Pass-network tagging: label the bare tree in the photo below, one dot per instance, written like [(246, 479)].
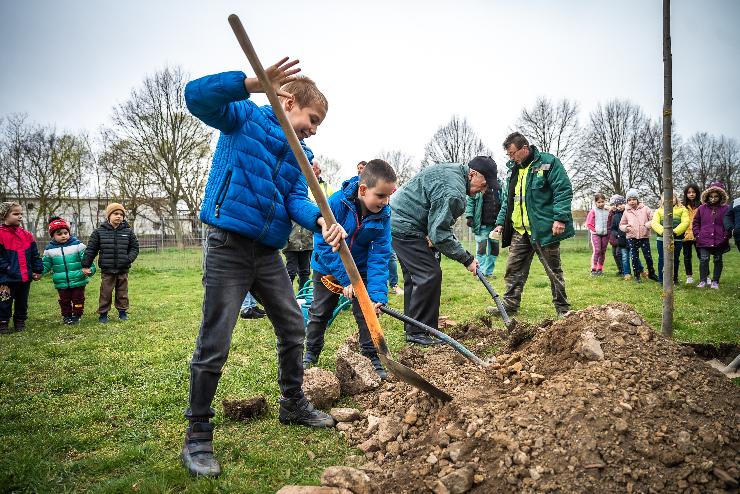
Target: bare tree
[(127, 181), (331, 171), (16, 134), (611, 160), (553, 128), (170, 143), (454, 142), (402, 164), (50, 175), (728, 165), (702, 155), (652, 157)]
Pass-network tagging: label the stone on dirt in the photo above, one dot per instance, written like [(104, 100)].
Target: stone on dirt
[(355, 372), (349, 478), (245, 409), (589, 347), (321, 387), (345, 414), (459, 481)]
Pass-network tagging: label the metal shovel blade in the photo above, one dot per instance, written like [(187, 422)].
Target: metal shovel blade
[(410, 377)]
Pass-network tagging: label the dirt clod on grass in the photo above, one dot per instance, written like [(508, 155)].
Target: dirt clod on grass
[(594, 402), (245, 409)]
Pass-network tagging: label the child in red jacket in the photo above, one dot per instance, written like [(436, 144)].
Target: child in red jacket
[(20, 263)]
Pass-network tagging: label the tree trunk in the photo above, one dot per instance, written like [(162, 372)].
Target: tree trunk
[(176, 225), (667, 323)]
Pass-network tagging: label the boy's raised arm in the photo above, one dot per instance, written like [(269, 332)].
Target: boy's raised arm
[(212, 98)]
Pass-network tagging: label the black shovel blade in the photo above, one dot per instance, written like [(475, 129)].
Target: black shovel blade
[(409, 376)]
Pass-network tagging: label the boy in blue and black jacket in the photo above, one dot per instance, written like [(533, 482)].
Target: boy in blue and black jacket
[(361, 207), (255, 188)]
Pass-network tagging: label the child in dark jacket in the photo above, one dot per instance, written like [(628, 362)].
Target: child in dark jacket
[(20, 263), (710, 234), (63, 258), (732, 222), (118, 247), (361, 207)]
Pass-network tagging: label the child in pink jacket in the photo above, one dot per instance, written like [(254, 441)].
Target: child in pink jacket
[(597, 223), (636, 223)]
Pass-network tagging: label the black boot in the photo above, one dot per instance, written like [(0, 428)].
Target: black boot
[(301, 411), (4, 327), (19, 325), (423, 339), (197, 451)]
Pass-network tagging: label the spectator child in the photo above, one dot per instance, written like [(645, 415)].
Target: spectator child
[(680, 225), (613, 240), (20, 263), (691, 202), (710, 234), (361, 207), (636, 222), (621, 237), (732, 222), (597, 223), (63, 257), (118, 247)]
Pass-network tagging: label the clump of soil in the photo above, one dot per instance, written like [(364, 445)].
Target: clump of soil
[(639, 413), (245, 409)]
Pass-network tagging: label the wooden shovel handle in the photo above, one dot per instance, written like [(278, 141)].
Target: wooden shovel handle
[(368, 310)]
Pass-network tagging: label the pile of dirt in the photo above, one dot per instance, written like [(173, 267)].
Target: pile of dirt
[(594, 402)]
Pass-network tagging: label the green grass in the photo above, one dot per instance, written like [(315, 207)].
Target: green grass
[(98, 408)]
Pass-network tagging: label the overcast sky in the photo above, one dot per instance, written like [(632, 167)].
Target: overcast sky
[(393, 71)]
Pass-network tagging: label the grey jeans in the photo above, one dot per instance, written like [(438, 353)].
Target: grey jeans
[(521, 253), (232, 266)]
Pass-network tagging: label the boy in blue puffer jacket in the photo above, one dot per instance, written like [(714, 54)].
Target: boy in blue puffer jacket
[(361, 207), (255, 188)]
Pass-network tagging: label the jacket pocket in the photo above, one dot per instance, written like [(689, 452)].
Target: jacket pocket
[(221, 196)]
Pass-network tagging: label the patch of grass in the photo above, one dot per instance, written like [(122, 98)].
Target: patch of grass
[(98, 408)]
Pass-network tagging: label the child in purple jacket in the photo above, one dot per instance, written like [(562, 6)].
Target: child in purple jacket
[(709, 231)]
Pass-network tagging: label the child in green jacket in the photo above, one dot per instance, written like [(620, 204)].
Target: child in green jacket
[(63, 258)]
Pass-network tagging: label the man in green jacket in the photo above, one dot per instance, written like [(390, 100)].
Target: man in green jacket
[(535, 211), (481, 212), (426, 207)]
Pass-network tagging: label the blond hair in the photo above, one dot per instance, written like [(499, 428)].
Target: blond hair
[(305, 92)]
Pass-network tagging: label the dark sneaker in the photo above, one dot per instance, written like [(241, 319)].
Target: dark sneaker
[(302, 412), (67, 320), (653, 276), (103, 317), (19, 325), (197, 450), (4, 327), (122, 315), (76, 319), (423, 339), (258, 310), (378, 366), (251, 313)]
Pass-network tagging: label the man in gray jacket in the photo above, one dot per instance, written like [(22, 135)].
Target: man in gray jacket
[(426, 208)]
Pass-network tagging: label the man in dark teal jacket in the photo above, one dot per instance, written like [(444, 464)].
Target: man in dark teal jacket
[(426, 207), (535, 210)]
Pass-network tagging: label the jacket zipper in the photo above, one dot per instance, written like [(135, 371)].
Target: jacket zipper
[(271, 213), (222, 193), (66, 271)]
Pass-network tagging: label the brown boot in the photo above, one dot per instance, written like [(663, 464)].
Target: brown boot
[(19, 325)]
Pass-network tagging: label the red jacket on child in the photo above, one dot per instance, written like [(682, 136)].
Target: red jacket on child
[(19, 255)]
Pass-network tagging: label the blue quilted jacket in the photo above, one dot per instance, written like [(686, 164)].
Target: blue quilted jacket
[(255, 186), (369, 242)]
